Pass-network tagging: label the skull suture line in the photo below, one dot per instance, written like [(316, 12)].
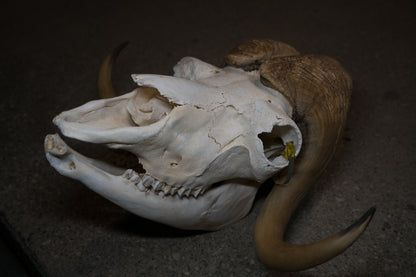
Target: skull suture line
[(208, 137)]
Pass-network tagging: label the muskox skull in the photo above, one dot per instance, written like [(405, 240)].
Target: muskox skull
[(208, 137)]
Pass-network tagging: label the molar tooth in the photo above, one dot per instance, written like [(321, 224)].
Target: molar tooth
[(196, 192), (157, 186), (135, 178), (174, 190), (128, 173), (188, 192), (140, 185), (147, 181), (167, 189), (181, 191)]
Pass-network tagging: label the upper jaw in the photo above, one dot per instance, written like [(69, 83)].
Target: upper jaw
[(105, 121)]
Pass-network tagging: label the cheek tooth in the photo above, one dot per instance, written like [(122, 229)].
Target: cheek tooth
[(147, 181), (166, 190), (187, 193), (135, 178), (128, 173), (196, 192), (181, 191), (157, 186), (140, 186), (173, 190)]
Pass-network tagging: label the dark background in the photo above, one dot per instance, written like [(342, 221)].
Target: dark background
[(49, 58)]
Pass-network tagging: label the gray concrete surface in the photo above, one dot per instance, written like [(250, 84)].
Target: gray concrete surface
[(50, 53)]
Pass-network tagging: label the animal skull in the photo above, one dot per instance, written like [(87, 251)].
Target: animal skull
[(208, 137)]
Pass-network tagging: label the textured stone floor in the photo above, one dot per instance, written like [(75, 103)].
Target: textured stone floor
[(50, 54)]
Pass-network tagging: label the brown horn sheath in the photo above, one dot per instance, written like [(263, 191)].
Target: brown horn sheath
[(104, 84), (253, 53), (319, 90)]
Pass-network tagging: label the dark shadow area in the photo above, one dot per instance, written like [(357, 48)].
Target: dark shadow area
[(15, 257), (135, 225)]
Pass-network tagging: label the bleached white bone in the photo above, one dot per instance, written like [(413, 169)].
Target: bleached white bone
[(206, 138)]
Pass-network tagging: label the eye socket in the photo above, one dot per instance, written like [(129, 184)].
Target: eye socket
[(273, 144)]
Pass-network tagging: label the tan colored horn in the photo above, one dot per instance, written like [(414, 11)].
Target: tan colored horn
[(319, 89), (253, 53), (104, 84)]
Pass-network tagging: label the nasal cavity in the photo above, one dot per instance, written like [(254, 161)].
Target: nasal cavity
[(148, 106), (273, 145)]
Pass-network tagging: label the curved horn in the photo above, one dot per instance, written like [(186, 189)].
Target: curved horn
[(104, 84), (253, 53), (319, 89)]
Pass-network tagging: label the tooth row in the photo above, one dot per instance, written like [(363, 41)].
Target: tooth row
[(145, 183)]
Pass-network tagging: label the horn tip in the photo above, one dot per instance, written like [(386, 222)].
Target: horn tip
[(119, 48), (363, 220)]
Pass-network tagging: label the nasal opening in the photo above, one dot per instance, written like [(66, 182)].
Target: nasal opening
[(148, 106)]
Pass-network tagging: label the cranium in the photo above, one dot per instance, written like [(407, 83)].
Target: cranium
[(207, 137)]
